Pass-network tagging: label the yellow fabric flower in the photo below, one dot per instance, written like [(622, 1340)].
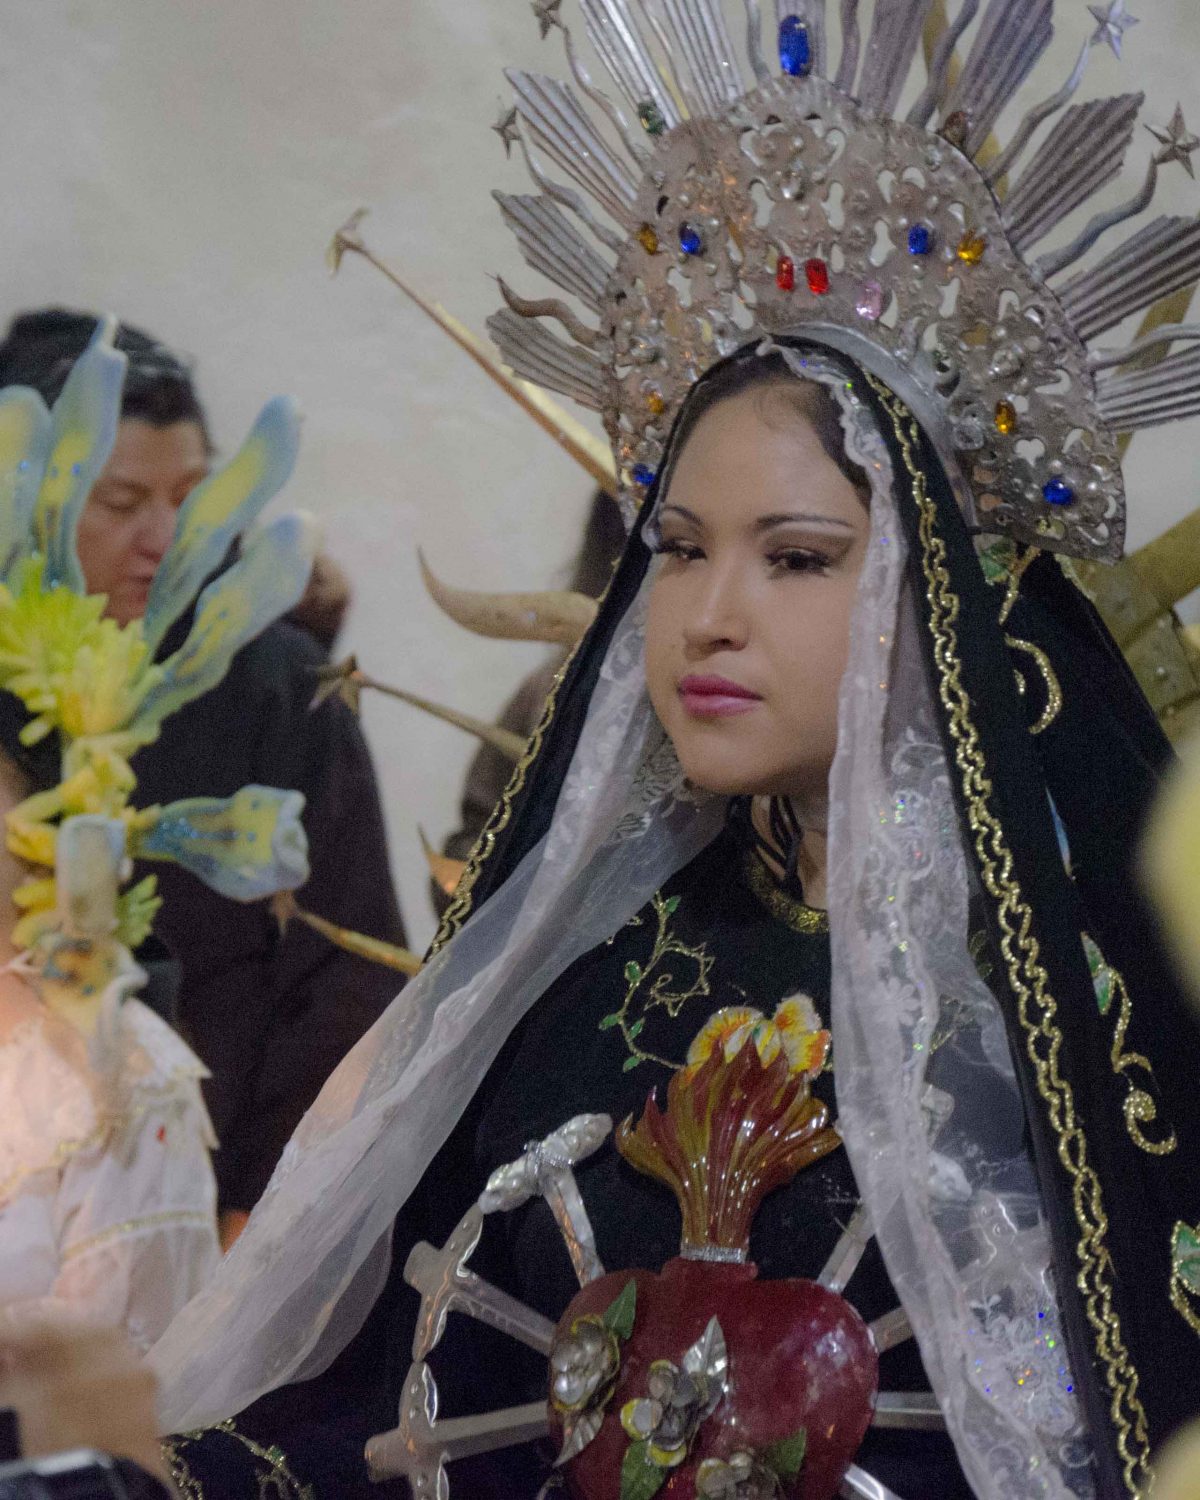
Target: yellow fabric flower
[(795, 1029), (801, 1035), (727, 1030)]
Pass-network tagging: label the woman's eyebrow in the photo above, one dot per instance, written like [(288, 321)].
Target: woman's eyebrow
[(801, 517), (682, 510), (765, 523)]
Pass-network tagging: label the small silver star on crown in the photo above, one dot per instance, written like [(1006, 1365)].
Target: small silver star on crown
[(1112, 22), (1178, 142)]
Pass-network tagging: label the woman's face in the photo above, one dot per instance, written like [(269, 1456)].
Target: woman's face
[(749, 615)]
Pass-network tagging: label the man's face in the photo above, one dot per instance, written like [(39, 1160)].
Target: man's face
[(129, 520)]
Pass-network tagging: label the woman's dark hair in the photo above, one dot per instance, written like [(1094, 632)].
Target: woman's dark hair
[(41, 346), (780, 388)]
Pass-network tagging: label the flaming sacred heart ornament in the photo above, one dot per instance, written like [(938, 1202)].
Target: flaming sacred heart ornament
[(705, 1381), (701, 1382)]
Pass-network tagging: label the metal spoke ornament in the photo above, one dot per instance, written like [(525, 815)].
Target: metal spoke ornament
[(420, 1446), (446, 1286), (545, 1170), (419, 1449)]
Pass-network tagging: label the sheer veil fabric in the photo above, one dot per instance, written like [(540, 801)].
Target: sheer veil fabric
[(919, 1041)]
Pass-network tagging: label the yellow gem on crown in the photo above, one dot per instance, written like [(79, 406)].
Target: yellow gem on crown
[(1006, 418), (971, 247), (655, 404), (648, 239)]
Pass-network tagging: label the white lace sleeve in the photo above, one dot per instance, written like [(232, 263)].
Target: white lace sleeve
[(112, 1217)]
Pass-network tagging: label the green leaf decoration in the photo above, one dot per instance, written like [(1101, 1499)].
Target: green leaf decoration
[(136, 910), (637, 1028), (1185, 1257), (786, 1457), (998, 561), (633, 971), (639, 1477), (620, 1313), (671, 905), (610, 1021), (629, 1064)]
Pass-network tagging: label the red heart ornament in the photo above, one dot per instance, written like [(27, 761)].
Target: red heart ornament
[(708, 1366), (800, 1359)]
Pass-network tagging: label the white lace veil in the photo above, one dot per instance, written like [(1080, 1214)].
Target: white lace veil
[(927, 1098)]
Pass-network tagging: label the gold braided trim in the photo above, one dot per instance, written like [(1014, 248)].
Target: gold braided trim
[(277, 1483), (181, 1476), (461, 906), (786, 909), (1036, 1006)]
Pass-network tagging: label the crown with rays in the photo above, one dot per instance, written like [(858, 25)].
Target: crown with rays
[(701, 211)]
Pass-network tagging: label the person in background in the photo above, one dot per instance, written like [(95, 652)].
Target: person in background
[(270, 1013), (487, 776)]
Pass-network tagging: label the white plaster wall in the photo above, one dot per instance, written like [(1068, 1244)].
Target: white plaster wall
[(184, 163)]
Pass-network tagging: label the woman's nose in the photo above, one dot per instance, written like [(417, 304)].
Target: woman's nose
[(157, 529), (717, 619)]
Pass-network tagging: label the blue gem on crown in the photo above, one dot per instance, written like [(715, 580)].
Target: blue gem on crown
[(1057, 492), (795, 47)]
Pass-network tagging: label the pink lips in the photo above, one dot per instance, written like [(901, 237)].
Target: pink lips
[(715, 697)]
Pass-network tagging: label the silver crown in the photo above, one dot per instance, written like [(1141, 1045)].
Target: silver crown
[(802, 206)]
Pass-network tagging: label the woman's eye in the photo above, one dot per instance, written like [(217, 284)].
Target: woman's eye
[(798, 560), (675, 547), (116, 502)]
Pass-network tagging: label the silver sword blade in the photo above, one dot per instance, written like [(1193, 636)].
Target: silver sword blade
[(859, 1485), (401, 1452), (447, 1288), (915, 1410), (892, 1329), (561, 1192), (847, 1253)]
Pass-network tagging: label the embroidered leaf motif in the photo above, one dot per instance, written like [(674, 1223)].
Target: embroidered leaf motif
[(977, 947), (671, 905), (637, 1028), (620, 1313), (1102, 976), (629, 1064), (610, 1020), (1185, 1257), (633, 971), (786, 1457), (639, 1477)]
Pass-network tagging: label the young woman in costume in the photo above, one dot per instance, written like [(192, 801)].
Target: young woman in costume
[(844, 752)]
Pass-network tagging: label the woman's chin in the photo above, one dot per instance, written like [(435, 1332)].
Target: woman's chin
[(727, 776), (734, 770)]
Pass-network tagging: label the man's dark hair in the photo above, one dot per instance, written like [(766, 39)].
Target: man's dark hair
[(41, 346)]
